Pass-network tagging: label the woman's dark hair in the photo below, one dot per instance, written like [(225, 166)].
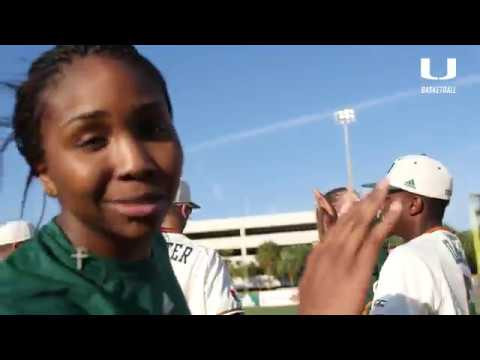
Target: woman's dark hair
[(26, 116)]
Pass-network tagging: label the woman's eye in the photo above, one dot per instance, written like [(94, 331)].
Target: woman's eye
[(154, 130), (93, 143), (158, 129)]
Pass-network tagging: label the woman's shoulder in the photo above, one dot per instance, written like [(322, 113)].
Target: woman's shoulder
[(31, 282), (29, 254), (30, 266)]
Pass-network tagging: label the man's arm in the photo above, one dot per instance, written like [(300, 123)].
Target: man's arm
[(220, 295)]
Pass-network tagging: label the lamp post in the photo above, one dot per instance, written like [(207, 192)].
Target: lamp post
[(344, 118)]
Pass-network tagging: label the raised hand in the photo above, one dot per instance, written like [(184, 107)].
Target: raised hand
[(339, 268)]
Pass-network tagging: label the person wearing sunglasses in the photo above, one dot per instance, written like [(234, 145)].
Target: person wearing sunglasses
[(200, 271)]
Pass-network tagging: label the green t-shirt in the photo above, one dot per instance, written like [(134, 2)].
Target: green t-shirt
[(41, 277)]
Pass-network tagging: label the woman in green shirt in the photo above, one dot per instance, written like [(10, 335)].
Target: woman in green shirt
[(94, 123)]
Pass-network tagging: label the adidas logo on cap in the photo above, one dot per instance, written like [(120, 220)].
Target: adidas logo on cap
[(410, 183), (422, 175)]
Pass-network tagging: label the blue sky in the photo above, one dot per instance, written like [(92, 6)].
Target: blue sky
[(257, 126)]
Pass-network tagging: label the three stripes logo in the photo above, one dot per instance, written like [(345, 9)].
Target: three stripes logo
[(410, 183)]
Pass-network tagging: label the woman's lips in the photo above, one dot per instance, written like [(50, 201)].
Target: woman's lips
[(138, 208)]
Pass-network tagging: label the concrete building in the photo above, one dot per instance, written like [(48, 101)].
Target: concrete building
[(238, 239)]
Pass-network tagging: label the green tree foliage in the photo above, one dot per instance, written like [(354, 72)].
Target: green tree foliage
[(394, 241), (466, 238), (226, 252), (268, 255), (292, 261), (235, 269), (243, 270)]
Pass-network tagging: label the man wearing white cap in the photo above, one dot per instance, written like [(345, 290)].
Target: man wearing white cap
[(200, 271), (12, 235), (428, 274)]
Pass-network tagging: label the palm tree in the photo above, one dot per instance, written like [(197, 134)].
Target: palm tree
[(268, 255), (292, 261)]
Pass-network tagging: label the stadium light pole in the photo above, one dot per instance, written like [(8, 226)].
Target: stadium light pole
[(345, 118), (475, 224)]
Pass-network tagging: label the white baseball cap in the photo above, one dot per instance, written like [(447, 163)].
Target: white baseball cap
[(184, 195), (15, 231), (422, 175)]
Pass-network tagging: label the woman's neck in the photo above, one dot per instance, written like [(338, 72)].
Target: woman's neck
[(101, 243)]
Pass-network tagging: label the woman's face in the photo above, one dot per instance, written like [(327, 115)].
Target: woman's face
[(112, 156)]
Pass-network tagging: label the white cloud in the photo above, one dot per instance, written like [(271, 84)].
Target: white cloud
[(469, 80)]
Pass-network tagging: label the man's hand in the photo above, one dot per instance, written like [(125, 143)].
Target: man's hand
[(339, 269), (327, 213), (348, 199)]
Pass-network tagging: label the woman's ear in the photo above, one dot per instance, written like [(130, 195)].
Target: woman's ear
[(47, 183)]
